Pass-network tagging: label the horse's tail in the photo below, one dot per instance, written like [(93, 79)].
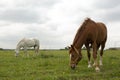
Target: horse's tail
[(38, 48)]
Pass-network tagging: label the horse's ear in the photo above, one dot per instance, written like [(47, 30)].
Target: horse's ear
[(68, 47), (71, 46), (87, 18)]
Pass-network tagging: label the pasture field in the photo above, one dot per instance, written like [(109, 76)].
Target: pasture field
[(54, 65)]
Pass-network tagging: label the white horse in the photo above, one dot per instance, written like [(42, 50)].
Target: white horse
[(26, 43)]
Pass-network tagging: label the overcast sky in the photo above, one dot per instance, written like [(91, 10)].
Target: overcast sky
[(55, 22)]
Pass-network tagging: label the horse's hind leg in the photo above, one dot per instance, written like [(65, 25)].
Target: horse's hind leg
[(37, 50), (34, 50), (98, 45), (95, 56), (101, 53)]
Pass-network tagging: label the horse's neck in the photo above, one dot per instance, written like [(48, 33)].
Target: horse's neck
[(18, 47), (79, 43)]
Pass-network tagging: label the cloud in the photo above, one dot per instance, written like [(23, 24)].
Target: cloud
[(113, 14), (53, 22), (107, 4), (25, 11), (21, 15), (28, 3), (43, 3), (106, 11)]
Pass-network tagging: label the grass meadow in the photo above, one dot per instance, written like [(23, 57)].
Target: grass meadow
[(54, 65)]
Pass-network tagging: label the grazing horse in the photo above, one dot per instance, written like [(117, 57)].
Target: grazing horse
[(25, 43), (90, 33)]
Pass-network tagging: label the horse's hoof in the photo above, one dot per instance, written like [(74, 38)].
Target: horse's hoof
[(89, 66), (101, 64), (97, 69)]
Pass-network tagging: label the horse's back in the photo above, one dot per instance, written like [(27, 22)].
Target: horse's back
[(96, 31), (30, 41), (102, 35)]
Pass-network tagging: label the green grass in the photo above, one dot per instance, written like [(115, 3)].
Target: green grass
[(54, 65)]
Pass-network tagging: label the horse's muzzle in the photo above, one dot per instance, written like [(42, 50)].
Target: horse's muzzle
[(73, 66)]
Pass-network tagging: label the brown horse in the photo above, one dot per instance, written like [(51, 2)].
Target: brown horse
[(90, 32)]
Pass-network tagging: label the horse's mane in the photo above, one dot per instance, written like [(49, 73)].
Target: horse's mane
[(81, 29), (20, 41)]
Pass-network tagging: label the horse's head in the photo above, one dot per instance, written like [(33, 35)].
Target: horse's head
[(75, 56), (16, 53)]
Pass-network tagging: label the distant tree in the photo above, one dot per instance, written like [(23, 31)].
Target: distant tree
[(1, 48), (66, 48)]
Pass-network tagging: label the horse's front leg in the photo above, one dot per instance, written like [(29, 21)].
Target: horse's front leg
[(89, 55), (25, 52)]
